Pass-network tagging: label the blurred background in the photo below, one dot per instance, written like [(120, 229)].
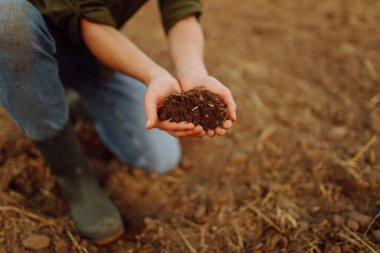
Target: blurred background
[(299, 171)]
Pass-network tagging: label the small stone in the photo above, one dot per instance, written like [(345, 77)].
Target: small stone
[(337, 133), (283, 116), (375, 125), (16, 249), (36, 242), (61, 247), (200, 213), (376, 234), (347, 248), (334, 249), (362, 219), (185, 163), (239, 157), (338, 220), (150, 225), (60, 230), (353, 225)]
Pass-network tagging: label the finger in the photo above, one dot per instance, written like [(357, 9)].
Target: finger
[(220, 131), (173, 126), (179, 134), (202, 134), (227, 124), (230, 102), (210, 133), (150, 102), (193, 133), (197, 130)]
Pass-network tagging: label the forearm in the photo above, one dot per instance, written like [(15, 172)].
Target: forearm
[(116, 51), (186, 47)]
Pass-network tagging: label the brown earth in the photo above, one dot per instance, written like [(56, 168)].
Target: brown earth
[(198, 106), (299, 171)]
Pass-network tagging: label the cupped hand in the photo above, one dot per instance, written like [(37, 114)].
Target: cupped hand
[(212, 84), (159, 88)]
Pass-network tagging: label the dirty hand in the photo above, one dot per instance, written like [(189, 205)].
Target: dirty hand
[(212, 84), (159, 88)]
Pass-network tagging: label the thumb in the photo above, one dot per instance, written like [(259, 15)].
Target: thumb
[(150, 102)]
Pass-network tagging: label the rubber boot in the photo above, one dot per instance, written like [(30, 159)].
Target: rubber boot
[(76, 107), (94, 214)]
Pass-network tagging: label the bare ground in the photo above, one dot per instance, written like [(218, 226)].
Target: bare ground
[(299, 172)]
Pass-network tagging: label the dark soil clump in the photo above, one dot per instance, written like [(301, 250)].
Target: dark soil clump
[(199, 106)]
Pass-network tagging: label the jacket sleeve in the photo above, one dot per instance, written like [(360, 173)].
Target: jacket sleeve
[(174, 10), (67, 14)]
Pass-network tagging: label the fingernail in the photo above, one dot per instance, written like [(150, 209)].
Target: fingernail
[(148, 124)]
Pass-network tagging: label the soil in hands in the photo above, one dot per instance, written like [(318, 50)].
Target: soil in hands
[(198, 106)]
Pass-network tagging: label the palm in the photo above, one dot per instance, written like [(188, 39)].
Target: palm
[(158, 90), (212, 84)]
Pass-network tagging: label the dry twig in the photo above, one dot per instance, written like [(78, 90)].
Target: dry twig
[(359, 241), (266, 218), (371, 69), (203, 237), (27, 214), (362, 150), (75, 243), (187, 243), (374, 101), (372, 222), (238, 235), (264, 136), (352, 163)]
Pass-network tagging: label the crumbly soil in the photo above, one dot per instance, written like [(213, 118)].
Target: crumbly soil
[(298, 172), (198, 106)]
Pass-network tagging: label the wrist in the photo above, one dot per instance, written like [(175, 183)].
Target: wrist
[(191, 71), (155, 72)]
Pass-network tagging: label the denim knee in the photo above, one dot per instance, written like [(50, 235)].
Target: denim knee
[(163, 153), (21, 28), (160, 153), (30, 89)]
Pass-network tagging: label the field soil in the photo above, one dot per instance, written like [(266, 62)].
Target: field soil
[(298, 172), (199, 106)]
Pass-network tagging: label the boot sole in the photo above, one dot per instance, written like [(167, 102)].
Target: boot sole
[(110, 239)]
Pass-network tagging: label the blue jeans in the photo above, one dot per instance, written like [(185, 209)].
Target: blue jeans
[(35, 61)]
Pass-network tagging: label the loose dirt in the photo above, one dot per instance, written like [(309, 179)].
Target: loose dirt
[(300, 165), (200, 107)]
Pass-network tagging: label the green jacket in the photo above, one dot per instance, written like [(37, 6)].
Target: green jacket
[(65, 15)]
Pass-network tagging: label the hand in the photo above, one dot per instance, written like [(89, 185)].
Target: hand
[(159, 88), (212, 84)]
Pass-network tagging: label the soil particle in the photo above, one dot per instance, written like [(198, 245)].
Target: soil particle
[(362, 219), (36, 242), (18, 250), (150, 225), (337, 133), (283, 116), (353, 225), (200, 107), (375, 125), (200, 213), (338, 220), (239, 157), (61, 247), (347, 248), (376, 234), (334, 249)]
